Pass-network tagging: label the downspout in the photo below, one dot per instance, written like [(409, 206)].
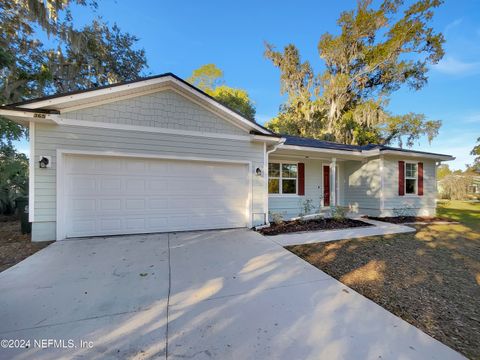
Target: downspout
[(265, 177)]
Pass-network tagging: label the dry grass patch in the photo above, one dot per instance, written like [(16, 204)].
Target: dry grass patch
[(15, 246), (430, 278)]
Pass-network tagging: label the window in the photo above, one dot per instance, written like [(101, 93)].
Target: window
[(282, 178), (410, 178), (472, 189)]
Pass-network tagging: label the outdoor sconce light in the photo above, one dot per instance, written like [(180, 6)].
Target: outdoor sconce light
[(44, 162), (258, 171)]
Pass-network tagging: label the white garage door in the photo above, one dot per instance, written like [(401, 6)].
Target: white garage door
[(112, 195)]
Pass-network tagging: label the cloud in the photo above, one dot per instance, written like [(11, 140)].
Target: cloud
[(453, 24), (453, 66), (472, 119)]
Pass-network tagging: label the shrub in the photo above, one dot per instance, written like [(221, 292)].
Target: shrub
[(13, 177), (455, 187), (306, 207), (339, 212), (276, 217)]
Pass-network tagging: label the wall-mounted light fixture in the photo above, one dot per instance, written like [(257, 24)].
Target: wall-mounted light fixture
[(44, 162), (258, 171)]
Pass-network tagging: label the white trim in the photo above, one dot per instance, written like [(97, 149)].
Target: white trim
[(418, 155), (369, 153), (28, 116), (144, 83), (113, 126), (94, 93), (110, 100), (221, 107), (152, 91), (242, 126), (267, 138), (265, 183), (328, 151), (306, 158), (280, 178), (415, 194), (265, 171), (333, 179), (31, 173), (60, 218)]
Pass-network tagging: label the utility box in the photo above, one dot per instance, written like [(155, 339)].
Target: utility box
[(22, 206)]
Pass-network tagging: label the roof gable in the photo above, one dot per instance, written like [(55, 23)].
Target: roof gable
[(166, 109), (110, 93)]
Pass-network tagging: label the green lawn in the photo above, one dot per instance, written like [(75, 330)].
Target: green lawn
[(467, 213)]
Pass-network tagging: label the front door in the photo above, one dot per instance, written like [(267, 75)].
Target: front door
[(326, 185)]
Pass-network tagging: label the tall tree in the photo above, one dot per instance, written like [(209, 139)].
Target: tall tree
[(13, 177), (443, 171), (476, 162), (209, 78), (377, 51), (107, 56), (92, 56)]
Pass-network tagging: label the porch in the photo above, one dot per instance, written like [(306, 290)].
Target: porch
[(311, 181)]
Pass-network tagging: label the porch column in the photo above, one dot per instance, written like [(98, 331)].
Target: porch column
[(333, 182)]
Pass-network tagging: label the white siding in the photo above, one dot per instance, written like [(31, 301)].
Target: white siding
[(414, 204), (164, 109), (173, 111), (362, 185)]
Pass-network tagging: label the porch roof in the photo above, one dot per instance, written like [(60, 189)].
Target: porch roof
[(301, 144)]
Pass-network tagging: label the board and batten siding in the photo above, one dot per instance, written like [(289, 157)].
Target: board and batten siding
[(291, 205), (412, 204), (49, 138), (362, 186)]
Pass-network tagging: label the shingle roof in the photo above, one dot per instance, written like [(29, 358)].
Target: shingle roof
[(322, 144)]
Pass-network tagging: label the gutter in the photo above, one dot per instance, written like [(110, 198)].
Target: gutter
[(281, 141), (440, 157)]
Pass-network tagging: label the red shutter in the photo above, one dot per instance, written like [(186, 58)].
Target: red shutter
[(301, 179), (401, 178), (420, 178)]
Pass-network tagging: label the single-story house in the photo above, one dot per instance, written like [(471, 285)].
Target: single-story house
[(158, 154)]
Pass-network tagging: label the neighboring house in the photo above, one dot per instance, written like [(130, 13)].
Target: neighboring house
[(474, 188), (158, 155)]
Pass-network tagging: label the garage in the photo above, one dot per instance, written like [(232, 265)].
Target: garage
[(105, 195)]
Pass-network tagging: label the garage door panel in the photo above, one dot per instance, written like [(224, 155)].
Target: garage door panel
[(126, 195), (158, 186), (109, 165), (158, 203), (138, 167), (135, 186), (135, 204)]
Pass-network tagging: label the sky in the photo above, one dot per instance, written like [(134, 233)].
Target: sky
[(180, 36)]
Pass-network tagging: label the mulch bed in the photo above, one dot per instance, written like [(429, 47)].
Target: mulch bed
[(409, 219), (311, 225), (430, 278), (15, 246)]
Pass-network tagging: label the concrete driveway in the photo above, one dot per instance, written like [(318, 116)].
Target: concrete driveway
[(229, 294)]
